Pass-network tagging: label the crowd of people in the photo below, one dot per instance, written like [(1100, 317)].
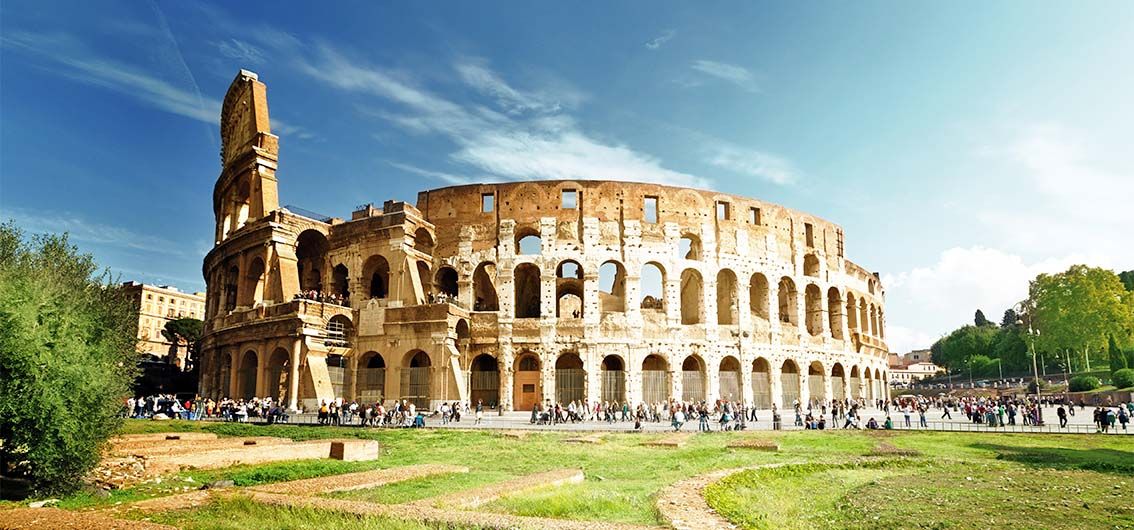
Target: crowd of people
[(319, 296)]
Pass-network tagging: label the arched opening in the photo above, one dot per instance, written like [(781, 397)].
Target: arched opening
[(527, 282), (852, 313), (569, 290), (336, 372), (811, 265), (224, 377), (528, 243), (526, 381), (423, 241), (761, 384), (462, 330), (815, 383), (613, 372), (835, 312), (415, 379), (340, 281), (789, 302), (338, 331), (730, 379), (881, 325), (277, 375), (693, 379), (612, 287), (484, 288), (855, 383), (311, 256), (376, 270), (371, 379), (758, 296), (813, 302), (652, 286), (877, 385), (838, 390), (873, 320), (863, 317), (728, 298), (230, 287), (655, 379), (249, 367), (424, 277), (691, 296), (484, 381), (254, 283), (789, 382), (570, 379), (689, 247), (868, 385), (446, 281)]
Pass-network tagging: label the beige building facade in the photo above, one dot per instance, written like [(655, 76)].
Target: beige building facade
[(157, 305), (527, 293)]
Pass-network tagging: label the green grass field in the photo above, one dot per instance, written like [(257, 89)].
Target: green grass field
[(961, 480)]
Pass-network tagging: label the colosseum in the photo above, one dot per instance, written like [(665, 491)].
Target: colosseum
[(524, 293)]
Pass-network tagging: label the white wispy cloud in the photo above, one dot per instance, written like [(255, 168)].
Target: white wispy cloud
[(658, 41), (447, 178), (240, 50), (737, 75), (529, 137), (752, 163), (84, 230)]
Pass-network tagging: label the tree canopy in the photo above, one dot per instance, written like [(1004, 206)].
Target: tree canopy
[(1080, 309), (67, 358), (187, 330)]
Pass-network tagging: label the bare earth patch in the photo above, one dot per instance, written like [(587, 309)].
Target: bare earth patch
[(887, 449), (759, 444), (361, 480), (58, 519), (486, 494), (672, 440), (588, 439), (683, 504)]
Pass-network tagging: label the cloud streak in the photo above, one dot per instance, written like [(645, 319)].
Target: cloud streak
[(657, 42), (86, 231), (737, 75)]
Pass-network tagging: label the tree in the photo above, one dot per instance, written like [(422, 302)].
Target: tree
[(980, 319), (67, 359), (1117, 357), (1079, 309), (1010, 318), (956, 349), (1127, 279), (187, 330)]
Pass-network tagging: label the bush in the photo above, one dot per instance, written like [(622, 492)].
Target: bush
[(1083, 383), (1123, 378), (67, 359)]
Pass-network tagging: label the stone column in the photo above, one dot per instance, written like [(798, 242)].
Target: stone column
[(592, 306), (828, 394), (547, 301), (804, 387), (673, 299), (776, 387), (506, 362), (293, 375)]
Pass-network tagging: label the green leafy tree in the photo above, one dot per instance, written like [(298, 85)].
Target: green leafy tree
[(980, 320), (184, 330), (67, 359), (1011, 347), (1009, 319), (1083, 383), (1123, 378), (955, 349), (1127, 279), (1117, 357), (1079, 309)]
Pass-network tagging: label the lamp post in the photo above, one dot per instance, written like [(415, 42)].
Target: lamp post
[(1020, 309)]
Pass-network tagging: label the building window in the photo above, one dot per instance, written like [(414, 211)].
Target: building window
[(809, 233), (723, 213), (651, 210), (570, 200), (754, 216), (149, 297), (487, 202), (161, 299)]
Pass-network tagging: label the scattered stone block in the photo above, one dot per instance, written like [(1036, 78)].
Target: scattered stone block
[(354, 450), (218, 484), (672, 441), (758, 444), (886, 449), (588, 439)]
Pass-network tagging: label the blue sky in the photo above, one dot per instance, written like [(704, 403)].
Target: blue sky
[(963, 146)]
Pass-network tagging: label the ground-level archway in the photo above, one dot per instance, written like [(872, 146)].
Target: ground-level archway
[(370, 381), (249, 367), (526, 382), (277, 374), (613, 372), (815, 383), (789, 383), (484, 381), (692, 379), (730, 379), (570, 379), (655, 379), (761, 384), (838, 389), (416, 378)]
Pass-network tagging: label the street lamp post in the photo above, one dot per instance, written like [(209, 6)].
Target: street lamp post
[(1020, 309)]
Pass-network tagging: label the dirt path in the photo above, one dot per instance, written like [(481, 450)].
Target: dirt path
[(357, 481), (683, 505)]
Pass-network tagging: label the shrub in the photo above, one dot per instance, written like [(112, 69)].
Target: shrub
[(1083, 383), (1123, 378), (67, 359)]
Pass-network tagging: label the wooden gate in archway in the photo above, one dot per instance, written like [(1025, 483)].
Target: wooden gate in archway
[(526, 389)]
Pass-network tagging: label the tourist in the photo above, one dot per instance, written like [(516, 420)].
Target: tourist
[(479, 412), (906, 413), (678, 419), (1062, 414)]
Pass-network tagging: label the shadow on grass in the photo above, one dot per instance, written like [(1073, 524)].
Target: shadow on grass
[(1102, 460)]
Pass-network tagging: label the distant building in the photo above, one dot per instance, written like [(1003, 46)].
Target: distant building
[(158, 304), (913, 366)]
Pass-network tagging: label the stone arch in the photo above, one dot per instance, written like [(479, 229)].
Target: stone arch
[(855, 383), (838, 390), (462, 329), (252, 290), (691, 299), (424, 278), (612, 287), (231, 287), (789, 383), (835, 312), (863, 317), (340, 282), (655, 379), (446, 281), (728, 298), (758, 296), (370, 378), (761, 383), (569, 289), (873, 320), (813, 302), (277, 375), (852, 312), (484, 288), (311, 259), (815, 382), (224, 376), (729, 374), (788, 302), (528, 242), (868, 385), (689, 246), (376, 272), (526, 379), (423, 241), (652, 286), (811, 265), (613, 376), (484, 381), (570, 378), (337, 331), (248, 372), (527, 290), (416, 378), (693, 384)]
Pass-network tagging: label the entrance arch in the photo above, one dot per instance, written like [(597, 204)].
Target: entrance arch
[(526, 382), (570, 379), (761, 384), (416, 378), (249, 367), (613, 372), (370, 382), (655, 379), (278, 374), (484, 384), (730, 379), (692, 379), (838, 388), (815, 386), (789, 383)]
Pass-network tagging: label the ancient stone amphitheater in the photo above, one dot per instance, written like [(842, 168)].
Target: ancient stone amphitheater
[(526, 293)]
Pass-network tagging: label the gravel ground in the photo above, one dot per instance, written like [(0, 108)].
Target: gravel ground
[(683, 505), (57, 519), (361, 480), (488, 493)]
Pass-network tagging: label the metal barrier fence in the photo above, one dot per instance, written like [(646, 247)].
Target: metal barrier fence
[(1047, 427)]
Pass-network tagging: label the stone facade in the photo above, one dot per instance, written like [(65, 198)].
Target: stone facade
[(527, 293)]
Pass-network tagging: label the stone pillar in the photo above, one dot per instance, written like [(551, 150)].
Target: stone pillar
[(828, 394), (547, 301), (293, 375), (592, 307), (547, 369), (593, 366), (506, 363), (804, 387), (712, 380), (673, 299), (776, 387), (633, 298)]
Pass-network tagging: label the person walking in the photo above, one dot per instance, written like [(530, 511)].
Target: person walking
[(1062, 414)]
